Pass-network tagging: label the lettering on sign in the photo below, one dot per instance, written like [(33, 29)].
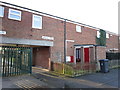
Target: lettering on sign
[(2, 32), (70, 40), (47, 38)]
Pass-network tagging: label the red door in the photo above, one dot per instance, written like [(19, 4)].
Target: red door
[(86, 55)]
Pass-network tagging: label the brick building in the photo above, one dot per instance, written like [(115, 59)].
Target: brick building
[(52, 38)]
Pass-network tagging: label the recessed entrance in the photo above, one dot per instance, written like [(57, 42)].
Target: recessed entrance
[(84, 53), (41, 56)]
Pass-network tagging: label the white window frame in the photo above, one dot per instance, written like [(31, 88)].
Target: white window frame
[(9, 15), (33, 22), (78, 28), (2, 11), (111, 35), (98, 34), (107, 35)]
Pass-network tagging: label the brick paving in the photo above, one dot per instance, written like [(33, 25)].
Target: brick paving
[(22, 81)]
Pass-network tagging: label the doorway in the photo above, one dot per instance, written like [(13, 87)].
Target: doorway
[(78, 55), (41, 56), (86, 55)]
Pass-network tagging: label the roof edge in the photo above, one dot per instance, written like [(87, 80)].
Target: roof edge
[(75, 22)]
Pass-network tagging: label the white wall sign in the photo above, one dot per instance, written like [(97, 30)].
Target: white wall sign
[(68, 59), (70, 40), (47, 38), (88, 46), (2, 32)]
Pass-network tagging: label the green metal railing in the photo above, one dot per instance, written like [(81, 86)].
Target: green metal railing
[(15, 60)]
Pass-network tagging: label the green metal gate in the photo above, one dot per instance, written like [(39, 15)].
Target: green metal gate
[(15, 60)]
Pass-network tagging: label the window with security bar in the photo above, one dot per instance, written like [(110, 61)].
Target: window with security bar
[(14, 14)]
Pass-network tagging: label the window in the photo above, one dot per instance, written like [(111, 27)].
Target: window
[(78, 28), (1, 11), (37, 22), (98, 34), (78, 54), (107, 35), (14, 14)]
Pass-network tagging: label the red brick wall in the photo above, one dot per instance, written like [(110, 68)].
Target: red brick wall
[(41, 56), (101, 54), (87, 36), (112, 42), (53, 28), (17, 29), (23, 29)]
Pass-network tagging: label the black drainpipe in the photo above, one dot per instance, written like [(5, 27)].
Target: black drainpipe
[(95, 54), (64, 40)]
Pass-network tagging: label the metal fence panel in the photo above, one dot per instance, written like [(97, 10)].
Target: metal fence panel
[(113, 56), (15, 60)]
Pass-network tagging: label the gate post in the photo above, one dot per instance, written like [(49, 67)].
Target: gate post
[(30, 63)]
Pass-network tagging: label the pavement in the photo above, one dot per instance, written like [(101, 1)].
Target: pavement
[(43, 79), (104, 80), (95, 80)]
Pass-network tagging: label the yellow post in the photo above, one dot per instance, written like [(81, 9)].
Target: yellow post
[(49, 64), (63, 69)]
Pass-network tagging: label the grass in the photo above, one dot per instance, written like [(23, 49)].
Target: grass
[(71, 73), (116, 66)]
